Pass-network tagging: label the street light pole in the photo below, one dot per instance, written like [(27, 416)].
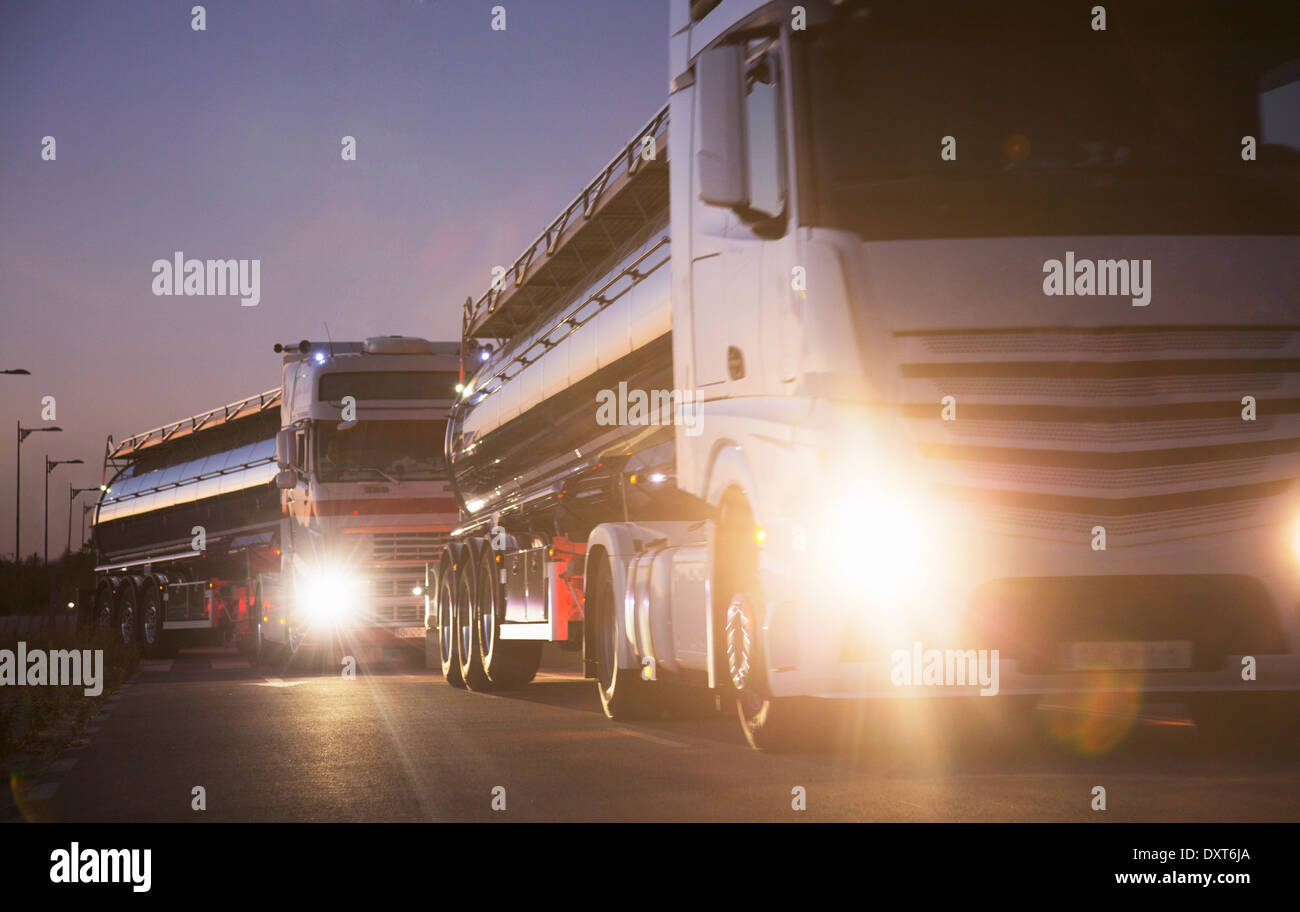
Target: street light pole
[(73, 494), (85, 511), (50, 465), (18, 485)]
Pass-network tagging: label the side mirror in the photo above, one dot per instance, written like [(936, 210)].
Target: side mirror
[(720, 95), (284, 448), (286, 480)]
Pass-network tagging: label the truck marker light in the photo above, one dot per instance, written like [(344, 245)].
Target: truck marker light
[(266, 620), (760, 537)]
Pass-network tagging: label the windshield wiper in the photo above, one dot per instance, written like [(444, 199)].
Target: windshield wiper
[(379, 472)]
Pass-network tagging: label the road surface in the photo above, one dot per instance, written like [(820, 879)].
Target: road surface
[(397, 744)]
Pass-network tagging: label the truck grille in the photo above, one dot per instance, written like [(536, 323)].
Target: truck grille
[(1139, 429), (392, 600), (398, 614), (406, 546), (391, 587)]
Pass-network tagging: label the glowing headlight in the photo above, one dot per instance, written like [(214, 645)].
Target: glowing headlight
[(1294, 539), (882, 540), (330, 596)]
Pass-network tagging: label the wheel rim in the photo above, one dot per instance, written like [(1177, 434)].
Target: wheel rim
[(604, 612), (104, 612), (464, 622), (444, 621), (487, 621), (127, 626), (740, 645), (151, 622)]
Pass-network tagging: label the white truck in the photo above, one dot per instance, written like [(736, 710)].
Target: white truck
[(198, 543), (971, 333), (365, 496)]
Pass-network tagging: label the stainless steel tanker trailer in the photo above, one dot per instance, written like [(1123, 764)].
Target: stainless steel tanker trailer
[(534, 465), (187, 522)]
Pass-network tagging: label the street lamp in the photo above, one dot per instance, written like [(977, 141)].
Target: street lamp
[(18, 485), (49, 467), (73, 494), (85, 511)]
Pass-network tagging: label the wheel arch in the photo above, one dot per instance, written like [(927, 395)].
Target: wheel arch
[(615, 544)]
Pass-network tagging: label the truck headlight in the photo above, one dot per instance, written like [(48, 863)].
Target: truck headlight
[(330, 596), (881, 543)]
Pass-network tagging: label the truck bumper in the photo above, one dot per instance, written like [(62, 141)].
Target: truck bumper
[(1232, 599), (873, 680)]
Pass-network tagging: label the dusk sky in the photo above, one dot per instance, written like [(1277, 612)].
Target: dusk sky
[(226, 143)]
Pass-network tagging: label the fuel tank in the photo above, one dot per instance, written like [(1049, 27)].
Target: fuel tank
[(221, 478), (556, 401)]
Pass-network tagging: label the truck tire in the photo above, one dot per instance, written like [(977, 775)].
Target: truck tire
[(465, 582), (769, 723), (104, 608), (445, 623), (257, 650), (153, 641), (507, 663), (623, 695), (128, 613), (292, 643)]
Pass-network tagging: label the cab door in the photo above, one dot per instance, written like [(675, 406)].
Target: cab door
[(730, 243)]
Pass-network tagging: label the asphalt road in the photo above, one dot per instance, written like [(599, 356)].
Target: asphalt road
[(397, 744)]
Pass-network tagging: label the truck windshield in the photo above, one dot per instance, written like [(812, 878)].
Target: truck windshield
[(1177, 118), (380, 450)]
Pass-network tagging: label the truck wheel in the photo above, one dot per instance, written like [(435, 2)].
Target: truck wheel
[(292, 643), (257, 651), (448, 635), (769, 723), (623, 695), (104, 607), (507, 663), (152, 639), (465, 585), (128, 617)]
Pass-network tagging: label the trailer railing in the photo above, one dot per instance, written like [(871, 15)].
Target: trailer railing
[(646, 151), (212, 418)]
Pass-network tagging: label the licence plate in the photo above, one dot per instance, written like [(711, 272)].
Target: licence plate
[(1128, 655)]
